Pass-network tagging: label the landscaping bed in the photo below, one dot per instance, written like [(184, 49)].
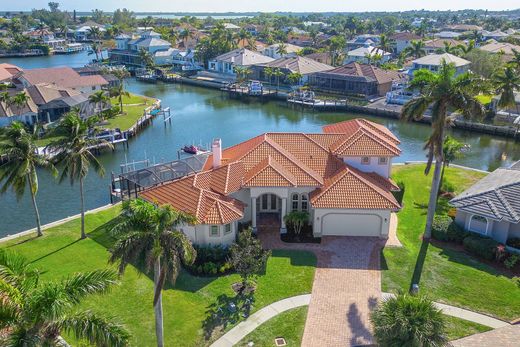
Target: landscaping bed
[(60, 253), (304, 237), (446, 274)]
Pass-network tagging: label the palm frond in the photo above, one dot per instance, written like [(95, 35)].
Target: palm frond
[(82, 284), (415, 108)]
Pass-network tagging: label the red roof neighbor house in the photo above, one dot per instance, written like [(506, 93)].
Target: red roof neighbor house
[(341, 177), (65, 77)]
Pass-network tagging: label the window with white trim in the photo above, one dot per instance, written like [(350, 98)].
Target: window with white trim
[(365, 160), (304, 202), (478, 224), (383, 160), (295, 202), (227, 228), (214, 231)]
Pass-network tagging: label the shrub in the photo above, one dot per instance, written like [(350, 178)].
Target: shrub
[(447, 187), (445, 229), (483, 247), (211, 261), (452, 212), (511, 261), (399, 195), (514, 242)]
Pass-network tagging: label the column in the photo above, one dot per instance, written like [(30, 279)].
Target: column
[(283, 229), (253, 214)]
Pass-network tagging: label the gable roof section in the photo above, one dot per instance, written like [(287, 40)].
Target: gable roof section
[(299, 64), (243, 57), (367, 72), (495, 196), (269, 173), (64, 77), (351, 188)]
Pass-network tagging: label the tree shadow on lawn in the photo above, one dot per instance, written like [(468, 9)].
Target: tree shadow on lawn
[(443, 206), (226, 311), (419, 263), (457, 254), (297, 257), (185, 281)]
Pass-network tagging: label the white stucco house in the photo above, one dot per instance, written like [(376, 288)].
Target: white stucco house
[(432, 62), (225, 63), (491, 207), (365, 55), (273, 50), (341, 177)]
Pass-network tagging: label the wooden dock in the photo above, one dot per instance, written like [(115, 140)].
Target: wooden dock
[(237, 91)]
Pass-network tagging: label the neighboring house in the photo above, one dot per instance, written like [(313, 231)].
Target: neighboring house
[(225, 63), (321, 57), (82, 33), (364, 40), (463, 28), (362, 54), (272, 50), (301, 39), (504, 48), (64, 77), (447, 35), (231, 27), (26, 113), (403, 40), (9, 72), (432, 62), (340, 177), (287, 65), (493, 35), (433, 46), (356, 79), (491, 207), (128, 49)]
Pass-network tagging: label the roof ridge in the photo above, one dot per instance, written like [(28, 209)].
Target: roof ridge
[(506, 204), (363, 132)]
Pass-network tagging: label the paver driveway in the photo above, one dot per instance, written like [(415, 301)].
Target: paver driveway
[(347, 285)]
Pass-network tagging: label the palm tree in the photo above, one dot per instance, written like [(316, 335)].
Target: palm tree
[(242, 72), (451, 149), (415, 50), (443, 91), (98, 98), (119, 92), (36, 312), (281, 49), (146, 232), (515, 62), (269, 73), (6, 98), (185, 35), (336, 47), (20, 100), (407, 320), (384, 43), (18, 144), (146, 58), (278, 73), (506, 81), (295, 77), (298, 219), (121, 75), (74, 153)]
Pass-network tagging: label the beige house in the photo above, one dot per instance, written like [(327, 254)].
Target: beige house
[(341, 177)]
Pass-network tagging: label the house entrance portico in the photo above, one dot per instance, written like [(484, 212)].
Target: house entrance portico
[(268, 210)]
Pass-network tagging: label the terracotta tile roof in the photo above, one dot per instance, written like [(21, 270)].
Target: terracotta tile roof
[(207, 206), (8, 71), (288, 160), (366, 71), (351, 188), (63, 77)]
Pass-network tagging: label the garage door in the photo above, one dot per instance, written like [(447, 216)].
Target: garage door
[(343, 224)]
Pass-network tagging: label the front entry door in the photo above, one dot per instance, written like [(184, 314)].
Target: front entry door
[(268, 203)]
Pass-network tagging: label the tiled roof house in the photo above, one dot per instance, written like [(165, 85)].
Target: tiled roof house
[(340, 176)]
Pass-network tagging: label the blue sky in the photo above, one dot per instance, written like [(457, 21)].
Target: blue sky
[(261, 5)]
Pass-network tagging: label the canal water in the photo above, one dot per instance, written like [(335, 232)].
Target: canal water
[(199, 115)]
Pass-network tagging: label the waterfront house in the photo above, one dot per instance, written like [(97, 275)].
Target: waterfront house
[(127, 51), (65, 77), (432, 62), (356, 79), (491, 207), (364, 40), (287, 65), (82, 32), (403, 40), (273, 50), (341, 177), (225, 63), (365, 55), (8, 72), (496, 35), (447, 35), (25, 113)]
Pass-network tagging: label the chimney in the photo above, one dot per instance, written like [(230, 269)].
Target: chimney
[(216, 149)]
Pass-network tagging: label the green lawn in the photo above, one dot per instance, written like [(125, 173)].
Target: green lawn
[(288, 325), (458, 328), (447, 275), (60, 252), (133, 107)]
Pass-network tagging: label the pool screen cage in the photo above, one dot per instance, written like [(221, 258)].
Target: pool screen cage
[(133, 182)]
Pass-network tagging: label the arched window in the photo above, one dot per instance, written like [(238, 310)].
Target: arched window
[(478, 224), (304, 202), (295, 202)]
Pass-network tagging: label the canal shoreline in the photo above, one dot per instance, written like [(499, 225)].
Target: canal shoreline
[(106, 207)]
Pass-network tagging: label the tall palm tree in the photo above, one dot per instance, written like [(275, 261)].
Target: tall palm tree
[(121, 75), (98, 98), (506, 82), (408, 320), (36, 312), (119, 92), (20, 170), (415, 50), (268, 71), (185, 35), (281, 49), (443, 92), (451, 149), (74, 153), (242, 73), (278, 73), (384, 43), (146, 232), (6, 98), (146, 58), (20, 100)]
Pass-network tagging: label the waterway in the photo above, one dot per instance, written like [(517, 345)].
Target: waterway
[(199, 115)]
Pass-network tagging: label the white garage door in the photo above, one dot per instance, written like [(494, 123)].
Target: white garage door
[(343, 224)]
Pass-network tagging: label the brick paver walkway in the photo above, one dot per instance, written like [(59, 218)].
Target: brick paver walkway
[(508, 336), (347, 284)]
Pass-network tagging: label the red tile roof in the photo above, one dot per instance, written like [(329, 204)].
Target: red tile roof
[(8, 71), (62, 77), (289, 160)]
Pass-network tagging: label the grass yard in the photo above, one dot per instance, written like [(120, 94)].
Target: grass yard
[(288, 325), (133, 107), (447, 275), (458, 328), (60, 252)]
